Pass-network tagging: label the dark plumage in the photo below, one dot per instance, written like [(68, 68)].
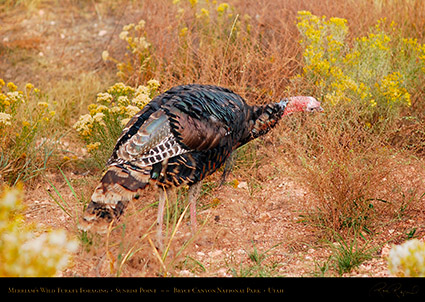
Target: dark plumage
[(180, 137)]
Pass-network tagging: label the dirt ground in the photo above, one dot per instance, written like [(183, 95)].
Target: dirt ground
[(233, 222), (236, 221)]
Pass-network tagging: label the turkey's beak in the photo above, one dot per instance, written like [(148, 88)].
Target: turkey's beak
[(316, 108)]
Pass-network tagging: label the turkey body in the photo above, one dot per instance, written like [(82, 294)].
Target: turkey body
[(180, 137)]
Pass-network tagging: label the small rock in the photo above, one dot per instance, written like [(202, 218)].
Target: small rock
[(264, 217), (222, 272), (243, 185), (102, 33), (185, 273), (385, 252), (200, 254), (215, 253)]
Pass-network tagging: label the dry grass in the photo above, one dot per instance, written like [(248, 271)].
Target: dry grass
[(352, 171)]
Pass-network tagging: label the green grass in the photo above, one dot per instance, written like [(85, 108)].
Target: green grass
[(349, 251), (256, 266)]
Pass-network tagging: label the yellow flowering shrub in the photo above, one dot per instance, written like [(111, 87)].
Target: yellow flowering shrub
[(210, 22), (376, 71), (101, 127), (408, 259), (26, 250), (23, 116), (138, 60), (200, 25)]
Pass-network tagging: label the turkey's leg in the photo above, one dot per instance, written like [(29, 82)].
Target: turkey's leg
[(193, 195), (228, 167), (160, 218)]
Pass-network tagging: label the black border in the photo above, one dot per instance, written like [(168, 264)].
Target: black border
[(401, 289)]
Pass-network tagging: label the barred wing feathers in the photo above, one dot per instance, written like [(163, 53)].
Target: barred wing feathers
[(180, 137)]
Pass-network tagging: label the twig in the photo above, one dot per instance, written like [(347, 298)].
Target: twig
[(227, 47)]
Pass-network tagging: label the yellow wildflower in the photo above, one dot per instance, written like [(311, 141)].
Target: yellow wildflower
[(183, 32), (98, 118), (5, 119), (125, 121), (140, 25), (303, 13), (128, 27), (4, 100), (92, 107), (338, 21), (407, 259), (392, 88), (116, 109), (204, 13), (123, 35), (92, 147), (12, 87), (105, 55), (140, 100), (140, 43), (28, 250), (14, 97), (100, 108), (153, 84), (29, 86), (84, 124), (123, 100), (43, 104), (120, 88), (222, 7), (142, 90), (132, 110), (2, 83)]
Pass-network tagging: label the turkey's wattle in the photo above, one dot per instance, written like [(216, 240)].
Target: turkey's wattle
[(180, 137)]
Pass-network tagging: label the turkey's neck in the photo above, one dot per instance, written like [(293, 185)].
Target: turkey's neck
[(261, 119)]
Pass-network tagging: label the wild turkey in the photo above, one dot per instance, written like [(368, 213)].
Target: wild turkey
[(180, 137)]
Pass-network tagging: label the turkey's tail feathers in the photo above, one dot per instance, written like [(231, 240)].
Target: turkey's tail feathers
[(117, 188)]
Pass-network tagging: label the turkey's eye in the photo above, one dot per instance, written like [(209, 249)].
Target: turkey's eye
[(314, 109)]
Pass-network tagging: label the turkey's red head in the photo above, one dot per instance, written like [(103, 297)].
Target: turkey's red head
[(302, 103)]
